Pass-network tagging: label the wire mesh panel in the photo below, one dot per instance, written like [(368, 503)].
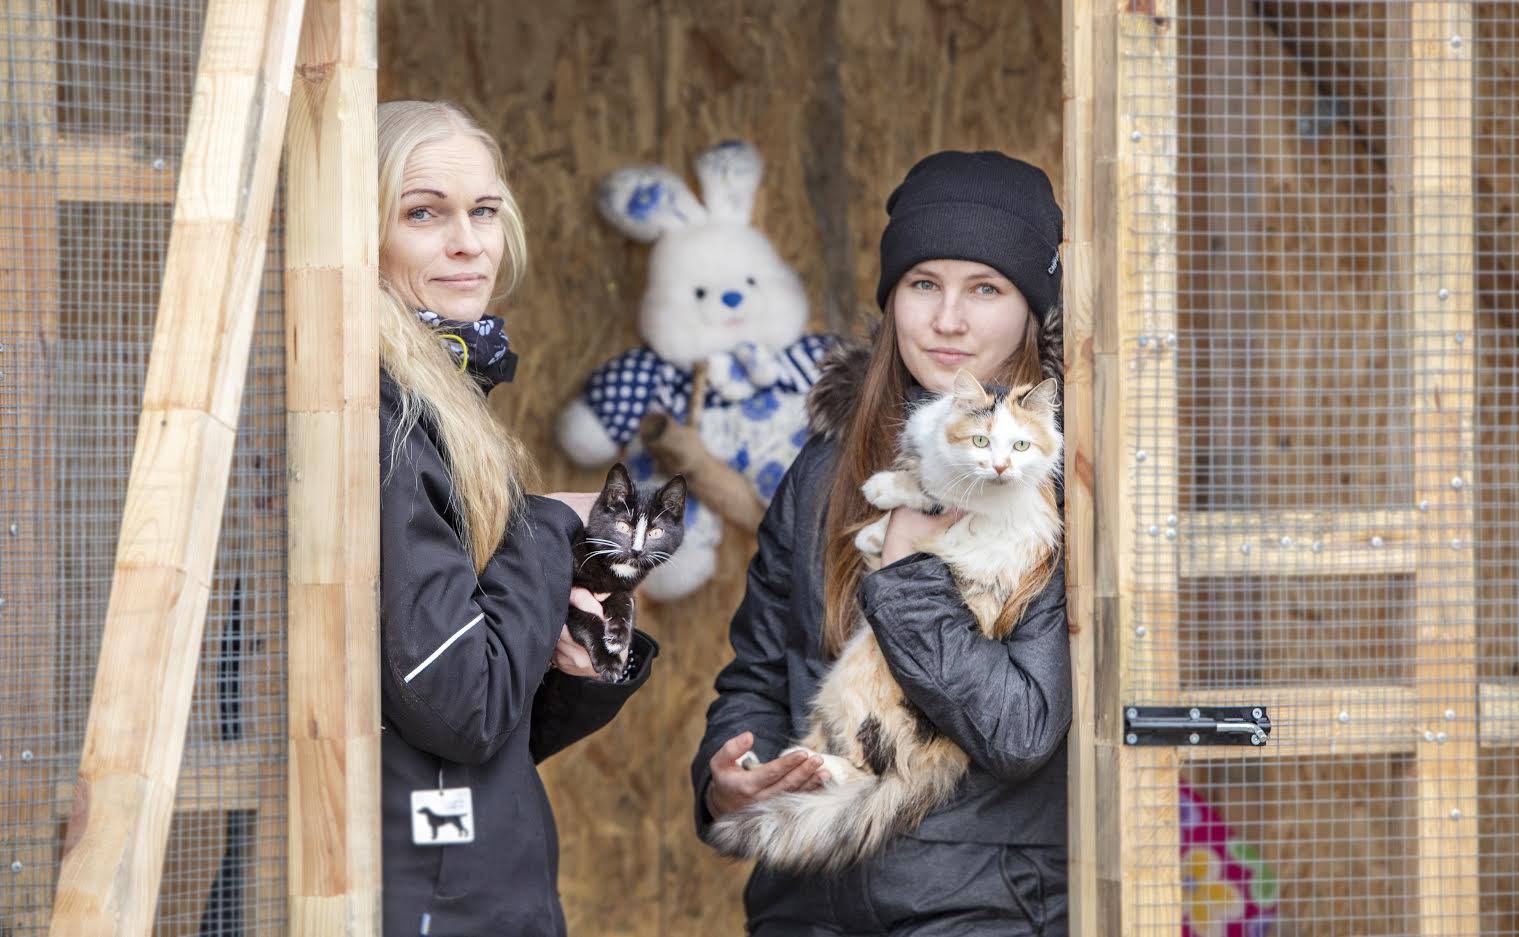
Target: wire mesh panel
[(1318, 293), (95, 102)]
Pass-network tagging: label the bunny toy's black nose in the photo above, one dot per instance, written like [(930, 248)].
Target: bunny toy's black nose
[(732, 298)]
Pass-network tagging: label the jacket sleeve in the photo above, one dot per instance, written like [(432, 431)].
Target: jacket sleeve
[(569, 708), (463, 656), (752, 689), (1006, 703)]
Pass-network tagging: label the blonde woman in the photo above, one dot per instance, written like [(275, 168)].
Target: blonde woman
[(474, 573)]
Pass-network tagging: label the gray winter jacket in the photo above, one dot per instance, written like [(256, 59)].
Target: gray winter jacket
[(1007, 704)]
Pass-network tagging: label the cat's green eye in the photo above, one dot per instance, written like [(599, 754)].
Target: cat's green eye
[(656, 533), (980, 442), (1020, 444), (623, 528)]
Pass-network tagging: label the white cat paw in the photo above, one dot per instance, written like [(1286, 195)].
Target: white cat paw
[(885, 490), (871, 539)]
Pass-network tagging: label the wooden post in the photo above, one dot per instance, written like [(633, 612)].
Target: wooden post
[(113, 855), (1134, 355), (1086, 817), (332, 395), (29, 257), (1430, 171)]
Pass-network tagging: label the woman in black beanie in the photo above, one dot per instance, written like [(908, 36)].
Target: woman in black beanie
[(970, 278)]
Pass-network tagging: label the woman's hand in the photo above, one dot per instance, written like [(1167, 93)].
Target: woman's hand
[(908, 530), (569, 656), (733, 787), (579, 501)]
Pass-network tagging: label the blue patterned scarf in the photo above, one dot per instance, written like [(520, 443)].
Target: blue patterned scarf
[(480, 348)]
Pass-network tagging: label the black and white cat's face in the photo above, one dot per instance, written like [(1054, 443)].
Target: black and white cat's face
[(635, 531)]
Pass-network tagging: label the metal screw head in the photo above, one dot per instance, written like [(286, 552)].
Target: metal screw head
[(1170, 533), (1457, 483), (1194, 738), (1424, 506), (1195, 713), (1455, 41), (1455, 813), (16, 866), (26, 755), (1443, 293), (1318, 547), (1344, 717), (1141, 455), (1170, 339), (1144, 341), (1244, 548), (1286, 541), (1259, 738), (1154, 530), (1136, 136), (15, 530), (158, 163), (1450, 714), (1429, 735), (1460, 338), (1456, 544), (1256, 713), (1140, 631), (1132, 713), (1377, 541), (1440, 738), (1170, 520), (1131, 738)]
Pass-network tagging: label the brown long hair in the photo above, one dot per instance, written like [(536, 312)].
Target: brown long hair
[(867, 446)]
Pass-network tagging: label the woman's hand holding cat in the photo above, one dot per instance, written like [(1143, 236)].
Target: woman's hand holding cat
[(569, 656), (733, 787), (908, 530), (579, 501)]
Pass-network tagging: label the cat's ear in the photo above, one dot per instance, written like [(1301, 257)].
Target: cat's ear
[(969, 390), (1045, 397), (671, 499), (619, 487)]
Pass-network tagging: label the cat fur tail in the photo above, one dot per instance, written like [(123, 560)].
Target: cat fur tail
[(828, 829)]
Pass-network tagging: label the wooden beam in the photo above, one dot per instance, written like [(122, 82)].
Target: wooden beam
[(113, 855), (1078, 20), (1431, 206), (31, 753), (1286, 543), (332, 294)]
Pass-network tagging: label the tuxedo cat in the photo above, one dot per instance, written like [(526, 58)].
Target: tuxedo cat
[(628, 533)]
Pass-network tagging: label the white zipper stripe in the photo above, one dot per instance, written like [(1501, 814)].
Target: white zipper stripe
[(443, 647)]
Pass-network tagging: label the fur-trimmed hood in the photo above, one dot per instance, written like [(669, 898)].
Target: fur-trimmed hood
[(831, 400)]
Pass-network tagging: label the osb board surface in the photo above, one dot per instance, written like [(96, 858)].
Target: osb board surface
[(841, 96)]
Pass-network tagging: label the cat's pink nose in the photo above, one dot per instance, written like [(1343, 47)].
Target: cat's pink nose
[(1000, 468)]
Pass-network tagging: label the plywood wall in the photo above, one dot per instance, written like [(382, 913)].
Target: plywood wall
[(841, 96)]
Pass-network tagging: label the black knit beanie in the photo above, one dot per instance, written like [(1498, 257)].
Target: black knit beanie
[(986, 207)]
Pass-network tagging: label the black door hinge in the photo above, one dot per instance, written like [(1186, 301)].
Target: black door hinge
[(1195, 725)]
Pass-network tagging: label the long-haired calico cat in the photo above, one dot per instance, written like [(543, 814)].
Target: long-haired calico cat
[(994, 455), (627, 533)]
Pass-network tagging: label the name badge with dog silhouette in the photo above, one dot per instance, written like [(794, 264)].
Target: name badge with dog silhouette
[(442, 817)]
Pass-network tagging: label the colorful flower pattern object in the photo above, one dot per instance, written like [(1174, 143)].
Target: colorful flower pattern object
[(1227, 889)]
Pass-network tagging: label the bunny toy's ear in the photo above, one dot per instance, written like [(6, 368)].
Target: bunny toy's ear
[(730, 174), (645, 202)]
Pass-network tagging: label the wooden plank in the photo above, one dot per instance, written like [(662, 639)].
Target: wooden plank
[(1306, 543), (332, 297), (109, 879), (1136, 417), (30, 752), (1429, 160), (1085, 817), (206, 771)]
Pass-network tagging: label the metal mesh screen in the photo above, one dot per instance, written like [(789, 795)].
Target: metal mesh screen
[(1322, 453), (95, 103)]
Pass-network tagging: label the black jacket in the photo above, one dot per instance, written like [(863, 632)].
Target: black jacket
[(467, 699), (1007, 704)]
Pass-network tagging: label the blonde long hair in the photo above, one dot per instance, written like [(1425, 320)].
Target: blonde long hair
[(488, 465), (867, 445)]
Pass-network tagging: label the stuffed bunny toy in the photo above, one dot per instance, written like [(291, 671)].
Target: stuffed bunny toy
[(718, 294)]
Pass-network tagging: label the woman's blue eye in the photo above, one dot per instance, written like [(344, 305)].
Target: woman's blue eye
[(986, 289), (417, 214), (485, 211), (924, 285)]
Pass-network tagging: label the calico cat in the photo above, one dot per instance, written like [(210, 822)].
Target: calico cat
[(628, 533), (994, 455)]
